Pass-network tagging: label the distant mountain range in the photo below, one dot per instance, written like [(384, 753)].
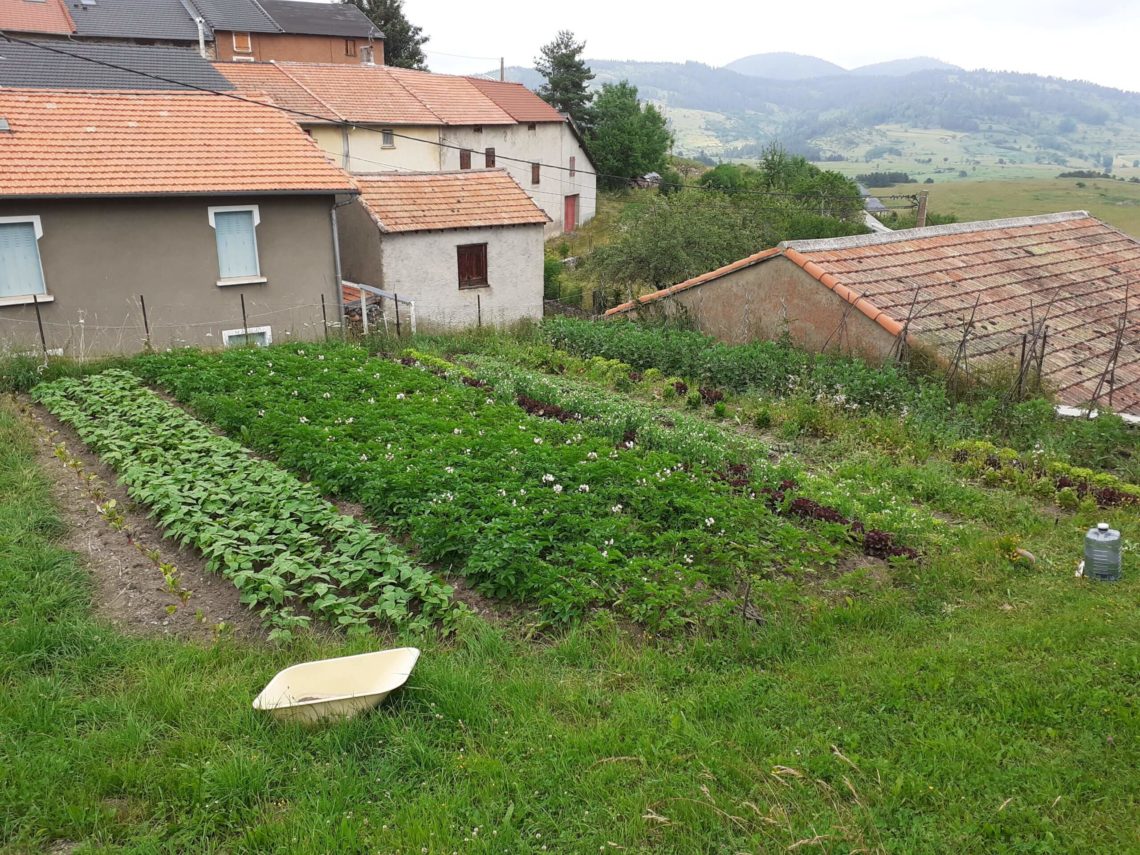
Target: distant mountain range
[(920, 108), (794, 66)]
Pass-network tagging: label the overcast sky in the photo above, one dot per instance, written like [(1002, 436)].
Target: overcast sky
[(1084, 39)]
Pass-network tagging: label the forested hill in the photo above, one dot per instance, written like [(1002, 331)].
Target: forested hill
[(812, 115)]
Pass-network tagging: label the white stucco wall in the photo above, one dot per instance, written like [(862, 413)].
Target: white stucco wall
[(551, 143), (362, 149), (423, 266)]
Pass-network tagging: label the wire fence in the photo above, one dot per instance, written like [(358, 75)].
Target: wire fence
[(52, 327)]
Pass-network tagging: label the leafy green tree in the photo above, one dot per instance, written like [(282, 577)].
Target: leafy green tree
[(567, 78), (628, 138), (675, 237), (403, 41)]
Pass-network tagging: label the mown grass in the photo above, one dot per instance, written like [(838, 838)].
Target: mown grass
[(1115, 202), (970, 703)]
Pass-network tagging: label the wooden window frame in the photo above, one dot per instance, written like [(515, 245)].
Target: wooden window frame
[(350, 47), (465, 158), (248, 42), (573, 166), (489, 157), (480, 251), (536, 173)]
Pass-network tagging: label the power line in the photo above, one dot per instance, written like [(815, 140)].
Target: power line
[(336, 122)]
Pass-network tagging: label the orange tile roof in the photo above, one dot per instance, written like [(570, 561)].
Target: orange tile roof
[(456, 100), (282, 90), (522, 104), (360, 93), (110, 143), (431, 201), (383, 95), (29, 16), (1071, 269)]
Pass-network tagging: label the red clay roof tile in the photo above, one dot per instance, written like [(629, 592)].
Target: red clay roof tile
[(429, 201), (110, 143), (30, 16), (383, 95)]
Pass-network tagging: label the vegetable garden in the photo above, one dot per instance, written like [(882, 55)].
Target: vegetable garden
[(787, 604), (288, 551), (526, 507)]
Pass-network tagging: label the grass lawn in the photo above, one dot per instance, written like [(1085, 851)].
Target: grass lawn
[(966, 703), (1115, 202)]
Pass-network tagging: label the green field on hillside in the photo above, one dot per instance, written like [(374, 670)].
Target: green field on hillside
[(1115, 202)]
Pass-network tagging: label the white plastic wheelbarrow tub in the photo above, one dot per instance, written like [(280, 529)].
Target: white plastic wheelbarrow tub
[(336, 688)]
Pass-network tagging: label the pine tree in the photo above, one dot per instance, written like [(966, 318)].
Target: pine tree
[(567, 77), (403, 42)]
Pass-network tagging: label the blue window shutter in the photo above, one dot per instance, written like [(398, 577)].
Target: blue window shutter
[(237, 244), (20, 270)]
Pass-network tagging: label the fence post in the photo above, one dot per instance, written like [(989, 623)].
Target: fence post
[(364, 311), (396, 301), (412, 315), (40, 323), (478, 311), (324, 317), (146, 320), (244, 321)]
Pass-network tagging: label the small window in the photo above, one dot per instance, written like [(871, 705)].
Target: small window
[(478, 129), (472, 265), (350, 47), (235, 229), (242, 43), (573, 166), (531, 126), (259, 336), (465, 159), (489, 158), (535, 173), (387, 138), (21, 273)]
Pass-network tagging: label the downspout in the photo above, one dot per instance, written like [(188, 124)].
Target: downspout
[(201, 36), (345, 147), (336, 262)]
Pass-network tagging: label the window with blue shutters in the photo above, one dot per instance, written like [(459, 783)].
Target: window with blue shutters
[(236, 231), (21, 274)]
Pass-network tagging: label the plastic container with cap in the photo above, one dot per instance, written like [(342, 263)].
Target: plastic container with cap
[(1102, 553)]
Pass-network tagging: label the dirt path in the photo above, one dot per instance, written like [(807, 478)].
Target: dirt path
[(144, 583)]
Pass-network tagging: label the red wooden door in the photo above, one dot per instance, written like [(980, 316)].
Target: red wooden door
[(570, 214)]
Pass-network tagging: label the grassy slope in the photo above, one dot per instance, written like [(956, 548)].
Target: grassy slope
[(1115, 202), (968, 706)]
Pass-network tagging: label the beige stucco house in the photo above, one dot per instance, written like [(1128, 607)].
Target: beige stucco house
[(464, 246), (173, 218), (377, 118)]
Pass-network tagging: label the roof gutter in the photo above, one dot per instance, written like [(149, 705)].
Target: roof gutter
[(159, 194)]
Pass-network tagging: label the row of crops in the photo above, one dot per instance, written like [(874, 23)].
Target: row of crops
[(526, 505), (290, 553)]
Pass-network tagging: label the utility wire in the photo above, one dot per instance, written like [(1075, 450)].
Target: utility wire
[(346, 124)]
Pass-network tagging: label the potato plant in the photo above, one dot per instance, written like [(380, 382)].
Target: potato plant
[(288, 551), (527, 508)]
